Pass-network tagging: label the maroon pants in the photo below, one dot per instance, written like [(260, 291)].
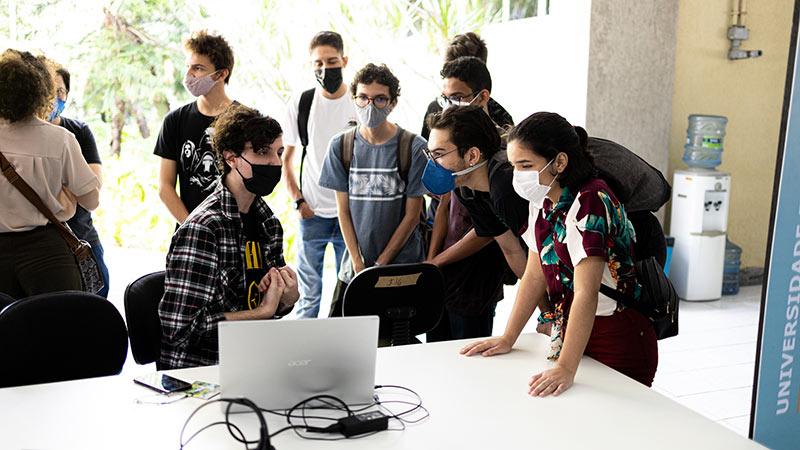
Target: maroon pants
[(626, 342)]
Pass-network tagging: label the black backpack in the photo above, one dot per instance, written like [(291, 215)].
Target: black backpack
[(642, 189)]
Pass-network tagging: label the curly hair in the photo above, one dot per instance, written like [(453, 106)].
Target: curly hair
[(377, 74), (469, 126), (215, 47), (27, 86), (239, 125), (467, 44)]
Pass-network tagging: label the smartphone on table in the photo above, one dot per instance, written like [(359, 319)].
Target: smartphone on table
[(162, 383)]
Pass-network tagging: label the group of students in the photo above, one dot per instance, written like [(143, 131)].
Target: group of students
[(527, 205)]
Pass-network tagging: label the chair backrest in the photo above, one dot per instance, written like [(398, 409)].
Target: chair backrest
[(6, 300), (60, 336), (142, 297), (409, 299)]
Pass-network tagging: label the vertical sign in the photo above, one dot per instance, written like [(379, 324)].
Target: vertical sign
[(775, 418)]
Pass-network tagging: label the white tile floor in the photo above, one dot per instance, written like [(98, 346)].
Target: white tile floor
[(708, 367)]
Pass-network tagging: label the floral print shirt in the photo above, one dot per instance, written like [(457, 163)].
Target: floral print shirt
[(591, 222)]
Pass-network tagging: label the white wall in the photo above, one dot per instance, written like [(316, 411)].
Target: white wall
[(542, 63)]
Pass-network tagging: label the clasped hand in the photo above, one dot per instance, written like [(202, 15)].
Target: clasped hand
[(278, 286)]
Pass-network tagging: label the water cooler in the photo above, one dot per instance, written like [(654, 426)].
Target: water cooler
[(699, 220)]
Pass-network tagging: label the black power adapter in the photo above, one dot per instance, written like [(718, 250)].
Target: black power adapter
[(363, 423)]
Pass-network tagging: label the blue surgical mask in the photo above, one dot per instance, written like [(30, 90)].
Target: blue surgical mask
[(58, 108), (438, 180)]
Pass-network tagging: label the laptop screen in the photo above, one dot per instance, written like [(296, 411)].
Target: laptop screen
[(278, 363)]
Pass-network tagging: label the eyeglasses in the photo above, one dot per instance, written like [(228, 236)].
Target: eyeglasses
[(380, 101), (444, 100), (429, 154), (61, 92)]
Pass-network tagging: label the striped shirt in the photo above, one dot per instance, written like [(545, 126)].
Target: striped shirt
[(206, 276)]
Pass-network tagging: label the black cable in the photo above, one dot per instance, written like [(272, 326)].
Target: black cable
[(264, 437), (299, 412)]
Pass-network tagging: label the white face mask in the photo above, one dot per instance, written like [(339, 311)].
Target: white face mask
[(450, 103), (526, 185)]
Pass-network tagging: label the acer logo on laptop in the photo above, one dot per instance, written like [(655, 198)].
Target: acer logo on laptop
[(299, 363)]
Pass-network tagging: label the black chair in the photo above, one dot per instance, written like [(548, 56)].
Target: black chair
[(60, 336), (6, 300), (408, 298), (141, 311)]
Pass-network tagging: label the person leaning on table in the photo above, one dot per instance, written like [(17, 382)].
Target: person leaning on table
[(579, 236), (226, 259), (34, 257)]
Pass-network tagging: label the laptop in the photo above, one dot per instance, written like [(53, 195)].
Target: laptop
[(279, 363)]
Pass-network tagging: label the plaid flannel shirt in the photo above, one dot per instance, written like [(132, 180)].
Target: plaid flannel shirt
[(206, 277)]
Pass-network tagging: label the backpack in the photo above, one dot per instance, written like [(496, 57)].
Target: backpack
[(642, 189), (404, 142), (303, 113)]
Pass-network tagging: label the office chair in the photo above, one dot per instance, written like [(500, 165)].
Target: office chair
[(6, 300), (408, 298), (60, 336), (142, 297)]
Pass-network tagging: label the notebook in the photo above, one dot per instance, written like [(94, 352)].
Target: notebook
[(278, 363)]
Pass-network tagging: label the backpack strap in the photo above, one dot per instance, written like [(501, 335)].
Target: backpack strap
[(404, 143), (348, 141), (303, 113)]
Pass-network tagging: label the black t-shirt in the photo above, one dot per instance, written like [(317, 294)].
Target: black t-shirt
[(501, 208), (81, 223), (254, 269), (183, 138)]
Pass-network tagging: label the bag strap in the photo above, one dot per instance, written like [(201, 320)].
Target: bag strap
[(404, 143), (303, 113), (348, 142), (30, 194), (626, 300)]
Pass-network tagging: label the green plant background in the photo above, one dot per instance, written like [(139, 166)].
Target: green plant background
[(126, 61)]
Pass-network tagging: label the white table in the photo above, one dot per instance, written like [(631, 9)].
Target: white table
[(475, 403)]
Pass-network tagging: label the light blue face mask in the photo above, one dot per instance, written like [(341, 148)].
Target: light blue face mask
[(438, 180), (58, 108)]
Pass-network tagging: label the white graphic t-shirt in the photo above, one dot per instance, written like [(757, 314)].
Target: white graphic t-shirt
[(326, 119)]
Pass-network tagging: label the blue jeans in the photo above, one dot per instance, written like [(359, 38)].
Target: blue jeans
[(315, 234), (98, 253)]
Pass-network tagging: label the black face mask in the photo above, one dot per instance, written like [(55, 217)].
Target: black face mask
[(330, 79), (265, 178)]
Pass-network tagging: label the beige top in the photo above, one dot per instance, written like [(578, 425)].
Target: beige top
[(49, 159)]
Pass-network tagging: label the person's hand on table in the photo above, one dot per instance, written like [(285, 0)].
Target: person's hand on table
[(488, 347), (552, 381)]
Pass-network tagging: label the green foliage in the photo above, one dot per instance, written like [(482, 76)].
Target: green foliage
[(126, 59)]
